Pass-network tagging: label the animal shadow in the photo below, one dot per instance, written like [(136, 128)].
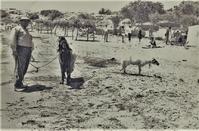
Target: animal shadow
[(149, 47), (76, 83), (134, 74), (142, 75), (193, 46), (35, 88), (138, 75), (87, 40)]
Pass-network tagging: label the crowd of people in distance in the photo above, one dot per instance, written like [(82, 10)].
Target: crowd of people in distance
[(175, 37)]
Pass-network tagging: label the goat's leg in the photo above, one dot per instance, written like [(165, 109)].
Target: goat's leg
[(139, 69), (123, 68), (62, 77), (125, 71), (68, 78)]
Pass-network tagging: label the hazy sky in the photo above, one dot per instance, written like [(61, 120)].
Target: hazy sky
[(77, 5)]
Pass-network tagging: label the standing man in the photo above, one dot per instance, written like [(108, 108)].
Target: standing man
[(167, 35), (106, 33), (22, 46), (140, 35), (150, 33), (128, 31), (122, 33)]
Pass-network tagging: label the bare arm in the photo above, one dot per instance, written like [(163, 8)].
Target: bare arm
[(13, 39)]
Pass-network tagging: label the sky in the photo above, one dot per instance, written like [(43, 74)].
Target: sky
[(76, 5)]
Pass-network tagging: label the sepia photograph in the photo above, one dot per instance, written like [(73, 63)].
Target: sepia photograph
[(99, 65)]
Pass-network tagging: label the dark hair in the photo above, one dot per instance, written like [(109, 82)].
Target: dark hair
[(63, 39)]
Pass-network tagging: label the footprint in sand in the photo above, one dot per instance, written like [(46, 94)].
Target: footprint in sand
[(90, 104), (117, 122), (139, 96), (29, 122), (11, 104), (22, 99), (40, 100), (99, 106), (44, 114), (181, 80), (33, 123), (172, 94), (41, 126), (114, 119), (121, 107), (47, 114)]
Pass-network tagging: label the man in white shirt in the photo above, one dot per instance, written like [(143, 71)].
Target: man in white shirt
[(123, 33), (106, 34), (168, 35), (22, 46)]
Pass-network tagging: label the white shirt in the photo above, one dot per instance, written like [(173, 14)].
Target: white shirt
[(106, 29), (128, 30), (22, 37)]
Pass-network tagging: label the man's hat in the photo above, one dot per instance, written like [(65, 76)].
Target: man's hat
[(24, 18)]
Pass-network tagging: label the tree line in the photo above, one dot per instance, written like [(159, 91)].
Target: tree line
[(186, 13)]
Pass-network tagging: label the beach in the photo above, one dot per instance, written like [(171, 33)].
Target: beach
[(101, 96)]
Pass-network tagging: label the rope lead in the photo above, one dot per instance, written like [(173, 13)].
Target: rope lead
[(37, 68)]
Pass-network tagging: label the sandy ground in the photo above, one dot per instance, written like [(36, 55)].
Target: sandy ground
[(165, 96)]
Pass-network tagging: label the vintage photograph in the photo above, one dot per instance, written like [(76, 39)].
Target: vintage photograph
[(99, 65)]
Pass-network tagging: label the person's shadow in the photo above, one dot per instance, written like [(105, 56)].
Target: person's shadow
[(76, 83), (35, 88)]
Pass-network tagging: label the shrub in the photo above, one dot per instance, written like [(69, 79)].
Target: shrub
[(4, 13), (52, 14)]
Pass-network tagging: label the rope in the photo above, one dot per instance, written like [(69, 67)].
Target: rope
[(37, 68)]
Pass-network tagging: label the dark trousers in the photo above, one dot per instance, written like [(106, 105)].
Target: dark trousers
[(140, 38), (129, 36), (167, 39), (123, 35), (22, 62), (106, 37)]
